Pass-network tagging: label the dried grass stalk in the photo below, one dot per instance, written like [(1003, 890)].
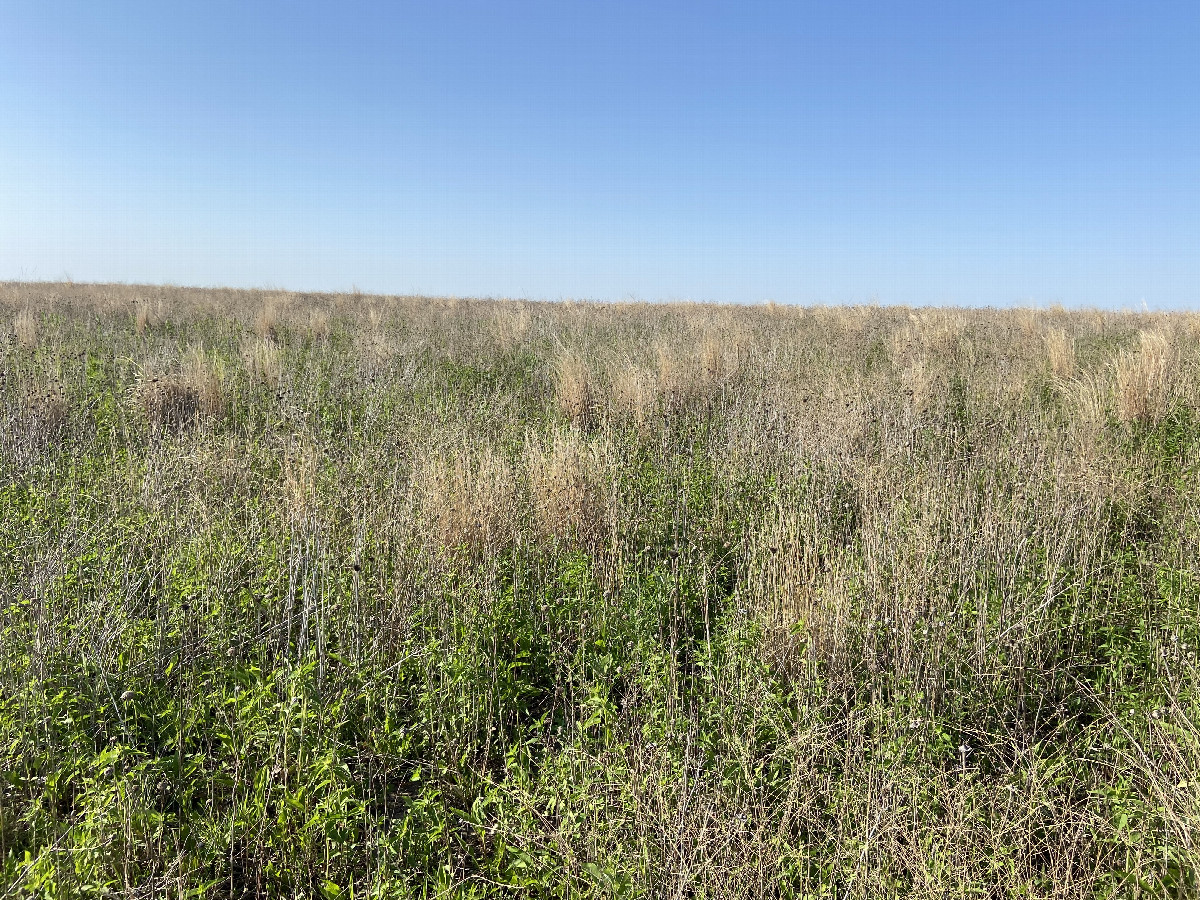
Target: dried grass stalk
[(1144, 379), (1060, 351), (573, 389), (26, 326), (469, 502), (567, 481)]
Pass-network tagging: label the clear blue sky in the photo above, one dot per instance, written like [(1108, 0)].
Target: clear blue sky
[(975, 153)]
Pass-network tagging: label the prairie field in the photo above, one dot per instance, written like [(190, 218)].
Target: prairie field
[(311, 595)]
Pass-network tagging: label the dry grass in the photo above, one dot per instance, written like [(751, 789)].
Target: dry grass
[(178, 402), (266, 320), (262, 360), (574, 389), (419, 596), (714, 365), (1144, 378), (46, 410), (568, 480), (318, 323), (167, 402), (26, 328), (689, 376), (1060, 350), (301, 468), (147, 314), (470, 501), (512, 323), (633, 394)]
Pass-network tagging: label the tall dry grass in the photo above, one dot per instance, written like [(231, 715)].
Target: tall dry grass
[(470, 500), (1144, 378), (26, 327), (308, 594), (569, 482), (178, 401), (575, 389), (1060, 349)]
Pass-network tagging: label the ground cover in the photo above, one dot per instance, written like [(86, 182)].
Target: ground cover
[(317, 595)]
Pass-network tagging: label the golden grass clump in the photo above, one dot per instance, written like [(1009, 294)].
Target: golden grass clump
[(26, 326), (206, 376), (266, 320), (634, 393), (1028, 320), (178, 402), (376, 345), (943, 333), (723, 350), (1091, 393), (469, 501), (682, 381), (377, 314), (905, 343), (511, 324), (713, 364), (146, 314), (695, 375), (1144, 378), (567, 480), (1060, 351), (301, 466), (263, 361), (916, 383), (574, 389), (318, 322)]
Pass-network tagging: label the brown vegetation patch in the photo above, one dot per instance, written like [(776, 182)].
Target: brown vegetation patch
[(26, 327), (575, 390), (567, 480), (1144, 378), (179, 402), (469, 501), (1060, 351)]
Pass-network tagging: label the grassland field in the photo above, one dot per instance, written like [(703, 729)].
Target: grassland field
[(309, 595)]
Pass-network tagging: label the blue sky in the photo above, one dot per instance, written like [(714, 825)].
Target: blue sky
[(970, 153)]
